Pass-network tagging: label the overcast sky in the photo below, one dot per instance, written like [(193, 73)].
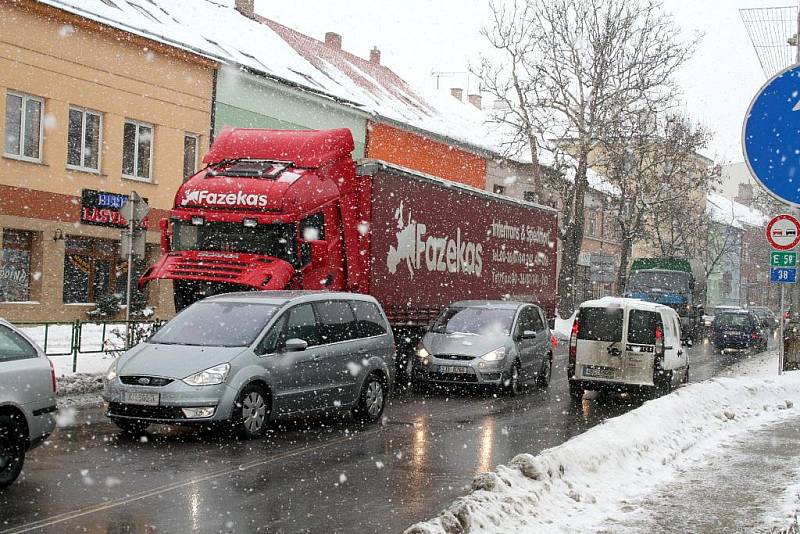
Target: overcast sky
[(417, 37)]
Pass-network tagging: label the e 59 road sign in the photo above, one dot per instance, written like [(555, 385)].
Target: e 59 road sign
[(783, 275), (783, 259), (770, 139), (783, 232)]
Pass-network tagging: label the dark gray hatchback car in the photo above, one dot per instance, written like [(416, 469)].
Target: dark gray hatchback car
[(499, 343), (248, 357)]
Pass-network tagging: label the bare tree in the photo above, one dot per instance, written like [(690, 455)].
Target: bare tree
[(568, 69)]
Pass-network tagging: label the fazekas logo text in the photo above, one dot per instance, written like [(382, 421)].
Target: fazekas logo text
[(207, 198), (442, 254)]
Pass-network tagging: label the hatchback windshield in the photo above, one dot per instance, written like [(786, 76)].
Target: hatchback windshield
[(216, 324), (732, 320), (481, 321)]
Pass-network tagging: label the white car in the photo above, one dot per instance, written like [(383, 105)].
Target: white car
[(626, 345), (27, 400)]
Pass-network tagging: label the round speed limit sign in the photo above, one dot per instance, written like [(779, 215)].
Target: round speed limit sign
[(783, 232)]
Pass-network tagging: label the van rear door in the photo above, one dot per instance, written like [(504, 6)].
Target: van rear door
[(640, 346), (598, 354)]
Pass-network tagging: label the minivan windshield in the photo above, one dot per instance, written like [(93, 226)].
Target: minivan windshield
[(216, 324), (478, 321), (600, 324)]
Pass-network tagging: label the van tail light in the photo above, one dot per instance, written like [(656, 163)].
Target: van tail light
[(553, 341), (659, 343), (52, 375), (573, 341)]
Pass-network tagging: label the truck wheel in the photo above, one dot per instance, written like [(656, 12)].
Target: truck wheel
[(131, 426), (543, 380), (13, 443), (251, 412), (371, 401)]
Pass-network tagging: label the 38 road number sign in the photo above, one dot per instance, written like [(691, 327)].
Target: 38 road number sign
[(783, 232)]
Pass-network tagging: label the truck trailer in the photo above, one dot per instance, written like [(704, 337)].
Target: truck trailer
[(277, 209)]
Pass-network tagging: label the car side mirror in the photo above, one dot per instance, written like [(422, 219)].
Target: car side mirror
[(319, 254), (295, 345), (528, 334)]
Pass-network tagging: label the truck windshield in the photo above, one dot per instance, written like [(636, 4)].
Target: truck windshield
[(665, 281), (275, 240), (478, 321)]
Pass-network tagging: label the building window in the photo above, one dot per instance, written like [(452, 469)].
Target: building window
[(189, 155), (137, 144), (499, 189), (591, 223), (23, 131), (92, 268), (15, 266), (84, 139), (529, 196)]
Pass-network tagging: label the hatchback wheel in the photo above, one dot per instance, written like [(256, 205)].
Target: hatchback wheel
[(371, 401), (12, 449), (251, 412)]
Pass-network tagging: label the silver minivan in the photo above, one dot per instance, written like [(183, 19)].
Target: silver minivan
[(246, 358), (626, 345), (504, 344), (27, 399)]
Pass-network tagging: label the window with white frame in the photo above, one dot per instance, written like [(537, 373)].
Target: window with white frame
[(137, 150), (84, 139), (189, 155), (23, 131)]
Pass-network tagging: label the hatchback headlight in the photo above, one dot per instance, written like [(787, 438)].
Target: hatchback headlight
[(209, 377), (494, 356), (111, 374)]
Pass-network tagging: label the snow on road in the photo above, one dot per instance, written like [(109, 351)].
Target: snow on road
[(593, 481)]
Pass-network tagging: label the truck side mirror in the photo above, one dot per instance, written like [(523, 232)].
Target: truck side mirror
[(319, 254), (166, 244)]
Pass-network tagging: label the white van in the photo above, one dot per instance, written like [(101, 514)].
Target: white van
[(620, 344)]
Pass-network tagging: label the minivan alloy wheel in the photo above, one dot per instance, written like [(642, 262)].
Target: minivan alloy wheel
[(371, 401), (374, 398), (254, 411)]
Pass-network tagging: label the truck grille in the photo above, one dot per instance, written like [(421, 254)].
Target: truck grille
[(214, 268)]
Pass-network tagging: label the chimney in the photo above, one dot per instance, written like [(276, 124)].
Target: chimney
[(333, 40), (475, 100), (245, 7), (375, 56), (457, 92)]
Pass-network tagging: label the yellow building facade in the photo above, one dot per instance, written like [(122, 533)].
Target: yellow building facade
[(90, 114)]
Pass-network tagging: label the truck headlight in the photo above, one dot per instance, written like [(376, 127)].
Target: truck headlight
[(209, 377), (494, 356)]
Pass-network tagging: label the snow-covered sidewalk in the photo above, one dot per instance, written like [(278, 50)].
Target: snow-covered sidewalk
[(596, 481)]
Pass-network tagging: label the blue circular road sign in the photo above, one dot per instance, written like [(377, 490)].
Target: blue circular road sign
[(771, 136)]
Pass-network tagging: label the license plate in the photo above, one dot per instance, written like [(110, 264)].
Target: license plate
[(453, 369), (595, 372), (140, 397)]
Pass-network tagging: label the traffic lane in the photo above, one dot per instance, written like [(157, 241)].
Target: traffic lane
[(309, 475), (705, 362)]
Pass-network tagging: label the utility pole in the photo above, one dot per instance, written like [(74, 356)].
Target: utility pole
[(132, 243)]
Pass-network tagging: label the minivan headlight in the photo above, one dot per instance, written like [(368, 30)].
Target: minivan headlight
[(422, 354), (209, 377), (111, 374), (494, 356)]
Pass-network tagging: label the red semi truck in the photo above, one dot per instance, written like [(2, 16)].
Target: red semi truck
[(276, 209)]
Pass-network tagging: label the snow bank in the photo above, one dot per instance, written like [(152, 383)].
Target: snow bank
[(79, 384), (584, 483), (563, 327)]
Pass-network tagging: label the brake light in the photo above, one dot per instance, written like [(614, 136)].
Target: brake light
[(573, 341), (52, 375), (659, 343), (755, 335), (553, 341)]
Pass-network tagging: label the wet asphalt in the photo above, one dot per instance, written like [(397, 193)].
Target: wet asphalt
[(311, 475)]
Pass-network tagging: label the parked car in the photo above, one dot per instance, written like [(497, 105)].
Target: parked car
[(500, 343), (625, 345), (739, 330), (27, 400), (769, 321), (246, 358)]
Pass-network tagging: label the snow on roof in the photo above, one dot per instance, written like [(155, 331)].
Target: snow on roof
[(722, 210)]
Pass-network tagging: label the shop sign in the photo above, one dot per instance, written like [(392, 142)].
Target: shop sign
[(585, 259), (101, 208)]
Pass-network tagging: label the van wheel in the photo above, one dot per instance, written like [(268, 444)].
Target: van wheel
[(251, 412), (13, 443), (686, 376), (543, 380), (662, 382), (575, 392), (512, 385), (371, 401)]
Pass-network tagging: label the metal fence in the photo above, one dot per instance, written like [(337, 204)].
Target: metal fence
[(61, 338)]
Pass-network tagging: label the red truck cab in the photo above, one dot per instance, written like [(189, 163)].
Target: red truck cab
[(264, 214)]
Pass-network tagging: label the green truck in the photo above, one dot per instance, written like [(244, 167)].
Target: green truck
[(672, 282)]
